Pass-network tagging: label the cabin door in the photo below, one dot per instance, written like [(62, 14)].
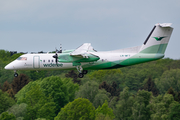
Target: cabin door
[(36, 62)]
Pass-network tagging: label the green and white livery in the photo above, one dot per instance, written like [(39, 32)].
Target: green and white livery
[(86, 58)]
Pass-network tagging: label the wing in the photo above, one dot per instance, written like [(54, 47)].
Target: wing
[(82, 50), (82, 54)]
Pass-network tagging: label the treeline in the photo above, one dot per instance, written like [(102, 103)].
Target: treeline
[(148, 91)]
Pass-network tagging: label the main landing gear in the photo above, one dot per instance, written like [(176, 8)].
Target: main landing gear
[(15, 74), (81, 71)]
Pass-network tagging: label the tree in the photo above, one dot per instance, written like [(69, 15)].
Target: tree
[(79, 109), (34, 75), (4, 55), (175, 94), (72, 74), (6, 86), (7, 116), (89, 90), (150, 86), (141, 109), (38, 105), (105, 75), (124, 106), (6, 101), (18, 110), (105, 110), (11, 93), (160, 106), (100, 98), (174, 112), (19, 82), (59, 90), (170, 78), (110, 88), (101, 116), (62, 91)]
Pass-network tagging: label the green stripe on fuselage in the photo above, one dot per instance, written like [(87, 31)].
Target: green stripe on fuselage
[(136, 59), (141, 58)]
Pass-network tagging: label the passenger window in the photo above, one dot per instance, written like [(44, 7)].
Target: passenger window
[(52, 60), (48, 60), (43, 60)]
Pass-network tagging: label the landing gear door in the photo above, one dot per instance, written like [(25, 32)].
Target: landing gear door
[(36, 62)]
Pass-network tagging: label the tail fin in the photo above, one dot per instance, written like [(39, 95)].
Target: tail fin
[(158, 39)]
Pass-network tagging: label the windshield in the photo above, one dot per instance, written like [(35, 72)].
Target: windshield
[(22, 58)]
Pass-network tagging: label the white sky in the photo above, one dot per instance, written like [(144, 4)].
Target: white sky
[(42, 25)]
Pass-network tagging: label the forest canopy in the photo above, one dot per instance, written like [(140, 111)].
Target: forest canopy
[(148, 91)]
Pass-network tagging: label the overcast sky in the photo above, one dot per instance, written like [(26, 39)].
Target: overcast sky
[(42, 25)]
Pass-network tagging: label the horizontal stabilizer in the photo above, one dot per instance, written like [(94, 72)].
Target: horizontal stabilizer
[(165, 24)]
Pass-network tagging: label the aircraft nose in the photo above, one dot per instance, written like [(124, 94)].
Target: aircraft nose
[(9, 67)]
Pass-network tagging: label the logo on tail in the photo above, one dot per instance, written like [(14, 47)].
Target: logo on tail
[(159, 38)]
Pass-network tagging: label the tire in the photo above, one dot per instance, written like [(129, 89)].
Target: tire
[(81, 75), (85, 72), (15, 74)]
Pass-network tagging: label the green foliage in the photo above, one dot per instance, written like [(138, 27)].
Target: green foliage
[(4, 55), (170, 78), (174, 112), (160, 106), (19, 82), (101, 116), (79, 109), (41, 119), (124, 106), (105, 110), (90, 91), (7, 116), (6, 75), (100, 98), (18, 110), (38, 104), (37, 75), (44, 97), (5, 101), (61, 90), (103, 75), (47, 96), (141, 109)]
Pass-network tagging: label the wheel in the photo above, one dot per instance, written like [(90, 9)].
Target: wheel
[(15, 74), (81, 75), (84, 71)]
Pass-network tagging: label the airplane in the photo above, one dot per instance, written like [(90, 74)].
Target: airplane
[(86, 58)]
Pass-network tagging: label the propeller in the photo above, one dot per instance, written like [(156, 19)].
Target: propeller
[(56, 57)]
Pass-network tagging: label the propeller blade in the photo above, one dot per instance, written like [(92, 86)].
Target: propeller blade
[(56, 57)]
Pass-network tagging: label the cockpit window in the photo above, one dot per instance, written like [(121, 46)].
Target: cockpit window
[(22, 58)]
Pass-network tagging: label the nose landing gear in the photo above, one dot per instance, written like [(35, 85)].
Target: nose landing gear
[(15, 74)]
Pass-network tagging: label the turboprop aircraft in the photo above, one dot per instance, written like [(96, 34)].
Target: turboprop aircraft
[(86, 58)]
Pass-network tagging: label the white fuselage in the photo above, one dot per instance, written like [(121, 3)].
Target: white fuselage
[(47, 62)]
